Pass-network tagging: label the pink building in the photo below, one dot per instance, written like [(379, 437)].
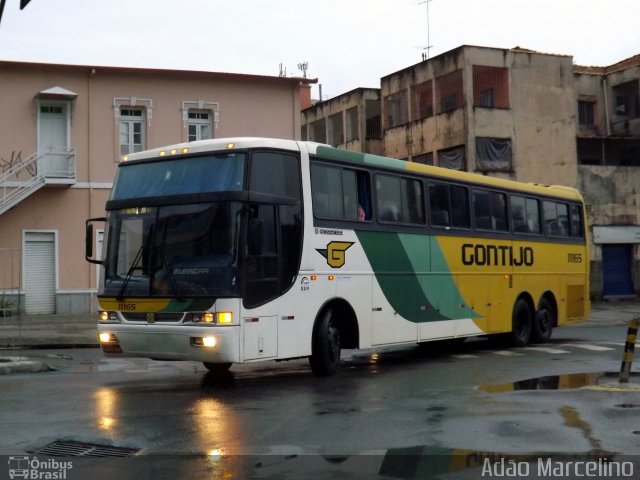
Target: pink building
[(63, 132)]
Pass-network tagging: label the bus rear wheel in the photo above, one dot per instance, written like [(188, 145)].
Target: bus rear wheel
[(325, 347), (217, 367), (544, 322), (521, 324)]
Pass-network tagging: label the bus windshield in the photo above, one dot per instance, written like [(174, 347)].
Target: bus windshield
[(174, 250), (181, 176), (166, 236)]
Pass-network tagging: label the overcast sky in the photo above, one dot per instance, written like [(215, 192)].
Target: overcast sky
[(347, 43)]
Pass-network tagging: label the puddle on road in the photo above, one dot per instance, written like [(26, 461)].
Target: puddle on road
[(562, 382)]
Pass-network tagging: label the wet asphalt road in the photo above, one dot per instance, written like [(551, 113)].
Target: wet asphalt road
[(273, 418)]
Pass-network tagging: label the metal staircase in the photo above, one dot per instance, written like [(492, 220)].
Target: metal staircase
[(28, 176)]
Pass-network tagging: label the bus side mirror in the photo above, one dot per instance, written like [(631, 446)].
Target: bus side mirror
[(254, 237), (88, 240)]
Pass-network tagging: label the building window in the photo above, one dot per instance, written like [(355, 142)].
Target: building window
[(374, 126), (590, 151), (493, 153), (336, 124), (453, 158), (490, 87), (397, 109), (199, 125), (425, 158), (132, 132), (586, 113), (423, 100), (449, 91), (626, 97), (352, 124), (58, 110), (318, 131)]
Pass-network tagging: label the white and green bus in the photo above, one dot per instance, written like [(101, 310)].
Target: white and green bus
[(246, 249)]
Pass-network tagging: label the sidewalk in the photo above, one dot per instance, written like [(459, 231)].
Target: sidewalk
[(49, 331)]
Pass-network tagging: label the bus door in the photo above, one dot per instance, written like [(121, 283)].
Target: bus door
[(261, 280)]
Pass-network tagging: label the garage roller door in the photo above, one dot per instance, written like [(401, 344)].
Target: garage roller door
[(40, 273)]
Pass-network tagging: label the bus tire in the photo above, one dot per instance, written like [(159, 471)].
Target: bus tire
[(543, 322), (325, 347), (217, 367), (521, 324)]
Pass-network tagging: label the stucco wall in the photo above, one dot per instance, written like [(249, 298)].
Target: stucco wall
[(249, 106)]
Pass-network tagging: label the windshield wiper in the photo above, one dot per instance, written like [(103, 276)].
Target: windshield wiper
[(132, 268)]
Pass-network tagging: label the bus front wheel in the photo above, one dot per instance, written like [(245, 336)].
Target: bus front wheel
[(217, 367), (325, 347), (522, 323)]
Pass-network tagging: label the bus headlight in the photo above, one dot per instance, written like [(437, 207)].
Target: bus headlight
[(207, 342), (106, 337), (105, 316), (211, 318)]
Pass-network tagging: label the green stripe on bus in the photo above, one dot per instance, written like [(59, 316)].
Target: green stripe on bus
[(361, 158), (191, 305), (402, 264)]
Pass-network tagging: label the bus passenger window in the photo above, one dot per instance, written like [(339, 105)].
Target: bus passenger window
[(350, 194), (364, 197), (460, 212), (388, 198), (533, 215), (490, 211), (399, 200), (481, 210), (525, 214), (556, 219), (449, 206), (576, 222), (340, 193), (439, 205)]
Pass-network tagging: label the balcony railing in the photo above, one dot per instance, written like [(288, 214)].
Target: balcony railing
[(29, 175)]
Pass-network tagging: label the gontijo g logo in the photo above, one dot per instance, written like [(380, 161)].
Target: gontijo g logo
[(335, 253)]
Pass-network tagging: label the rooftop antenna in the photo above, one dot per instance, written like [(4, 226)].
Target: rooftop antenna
[(283, 71), (426, 53), (303, 68)]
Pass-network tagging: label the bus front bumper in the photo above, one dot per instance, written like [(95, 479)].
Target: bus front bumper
[(171, 342)]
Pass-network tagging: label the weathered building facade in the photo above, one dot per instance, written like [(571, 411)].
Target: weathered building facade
[(530, 117), (608, 157), (350, 121), (63, 132)]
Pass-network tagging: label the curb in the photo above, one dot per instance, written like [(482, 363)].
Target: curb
[(10, 365)]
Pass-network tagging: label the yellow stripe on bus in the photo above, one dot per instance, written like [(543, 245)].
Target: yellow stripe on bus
[(134, 304)]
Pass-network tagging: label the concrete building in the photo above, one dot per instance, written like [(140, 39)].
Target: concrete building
[(350, 121), (608, 157), (526, 116), (63, 131)]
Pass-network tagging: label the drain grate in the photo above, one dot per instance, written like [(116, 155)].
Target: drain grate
[(70, 448)]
